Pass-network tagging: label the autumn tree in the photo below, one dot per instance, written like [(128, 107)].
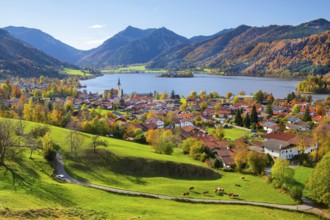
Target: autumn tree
[(228, 95), (258, 96), (256, 162), (219, 133), (318, 183), (48, 147), (241, 155), (203, 105)]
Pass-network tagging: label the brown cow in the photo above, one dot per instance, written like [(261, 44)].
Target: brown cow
[(186, 194), (238, 185), (230, 194), (205, 193), (235, 195), (191, 188), (243, 177)]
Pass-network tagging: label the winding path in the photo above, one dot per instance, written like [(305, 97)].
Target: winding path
[(303, 207)]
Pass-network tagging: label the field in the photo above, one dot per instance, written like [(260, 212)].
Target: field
[(235, 133), (28, 191), (101, 170), (76, 72), (132, 68)]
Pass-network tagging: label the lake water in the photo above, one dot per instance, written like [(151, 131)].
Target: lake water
[(148, 82)]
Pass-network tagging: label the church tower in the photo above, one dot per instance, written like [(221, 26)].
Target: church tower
[(119, 90)]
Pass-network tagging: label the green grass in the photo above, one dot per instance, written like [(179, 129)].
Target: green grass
[(30, 192), (132, 68), (235, 133), (76, 72), (100, 172), (301, 174)]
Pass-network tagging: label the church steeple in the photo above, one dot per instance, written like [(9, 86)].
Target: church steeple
[(119, 90)]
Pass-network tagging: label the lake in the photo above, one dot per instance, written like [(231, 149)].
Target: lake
[(148, 82)]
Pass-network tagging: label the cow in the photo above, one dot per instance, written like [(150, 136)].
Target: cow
[(230, 194), (235, 195), (191, 188), (217, 190), (205, 193), (186, 194), (238, 185), (243, 177)]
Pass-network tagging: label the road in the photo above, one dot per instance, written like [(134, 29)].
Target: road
[(302, 207)]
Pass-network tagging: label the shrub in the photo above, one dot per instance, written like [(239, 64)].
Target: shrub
[(295, 193), (49, 154)]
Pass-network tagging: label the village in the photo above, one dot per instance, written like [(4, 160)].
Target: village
[(279, 128)]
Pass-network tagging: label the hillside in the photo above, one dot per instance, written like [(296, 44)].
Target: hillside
[(138, 49), (273, 50), (46, 43), (20, 59)]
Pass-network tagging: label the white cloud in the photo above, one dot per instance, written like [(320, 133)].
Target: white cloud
[(98, 26)]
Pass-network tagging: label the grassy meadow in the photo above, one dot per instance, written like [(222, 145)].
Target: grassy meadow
[(99, 170), (76, 72), (28, 191)]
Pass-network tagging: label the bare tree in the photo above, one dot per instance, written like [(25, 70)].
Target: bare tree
[(7, 131), (75, 139), (96, 141)]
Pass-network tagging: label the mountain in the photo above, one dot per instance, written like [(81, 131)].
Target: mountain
[(100, 54), (273, 50), (202, 37), (46, 44), (133, 46), (20, 59)]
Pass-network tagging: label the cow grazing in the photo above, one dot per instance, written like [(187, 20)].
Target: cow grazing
[(191, 188), (243, 177), (218, 190), (238, 185), (186, 194), (205, 193), (235, 195), (230, 194)]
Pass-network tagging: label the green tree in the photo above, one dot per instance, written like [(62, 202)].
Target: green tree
[(295, 109), (254, 115), (196, 150), (185, 145), (247, 121), (318, 183), (282, 174), (258, 96), (307, 115), (269, 110), (256, 162), (238, 118)]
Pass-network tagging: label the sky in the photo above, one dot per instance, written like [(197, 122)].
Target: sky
[(86, 24)]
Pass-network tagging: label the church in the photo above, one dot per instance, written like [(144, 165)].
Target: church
[(113, 93)]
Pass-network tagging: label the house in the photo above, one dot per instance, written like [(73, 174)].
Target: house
[(159, 123), (278, 148), (284, 145), (270, 126), (185, 123)]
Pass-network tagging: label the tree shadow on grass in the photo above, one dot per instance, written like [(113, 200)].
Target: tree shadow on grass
[(137, 180)]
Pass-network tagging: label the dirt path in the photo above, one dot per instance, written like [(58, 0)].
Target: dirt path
[(301, 207)]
